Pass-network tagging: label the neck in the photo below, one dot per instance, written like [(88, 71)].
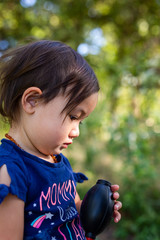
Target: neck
[(21, 140)]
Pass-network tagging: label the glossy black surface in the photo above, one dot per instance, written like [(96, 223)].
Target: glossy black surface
[(97, 208)]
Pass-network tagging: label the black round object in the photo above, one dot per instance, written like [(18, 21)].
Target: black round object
[(97, 208)]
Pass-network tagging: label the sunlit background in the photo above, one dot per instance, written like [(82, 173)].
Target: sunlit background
[(120, 140)]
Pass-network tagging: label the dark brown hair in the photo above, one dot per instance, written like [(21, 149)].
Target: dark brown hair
[(51, 66)]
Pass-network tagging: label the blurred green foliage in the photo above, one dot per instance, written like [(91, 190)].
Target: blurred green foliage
[(120, 140)]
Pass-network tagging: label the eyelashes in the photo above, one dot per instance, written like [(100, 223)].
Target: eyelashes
[(73, 118)]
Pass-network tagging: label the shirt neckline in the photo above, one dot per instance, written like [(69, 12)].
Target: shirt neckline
[(11, 145)]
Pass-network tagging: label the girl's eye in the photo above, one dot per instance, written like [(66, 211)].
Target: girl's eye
[(73, 117)]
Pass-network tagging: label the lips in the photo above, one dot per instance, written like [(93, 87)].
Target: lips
[(66, 144)]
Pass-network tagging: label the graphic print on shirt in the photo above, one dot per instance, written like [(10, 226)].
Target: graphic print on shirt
[(38, 221), (67, 214), (57, 194), (61, 197), (74, 229)]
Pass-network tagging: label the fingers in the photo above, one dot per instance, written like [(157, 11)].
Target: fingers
[(117, 205), (115, 195), (117, 216), (115, 188)]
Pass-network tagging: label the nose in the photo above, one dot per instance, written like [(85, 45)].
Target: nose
[(74, 131)]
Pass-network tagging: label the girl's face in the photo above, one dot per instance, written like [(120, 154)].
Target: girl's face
[(49, 131)]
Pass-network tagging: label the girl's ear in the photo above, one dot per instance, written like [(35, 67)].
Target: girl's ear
[(30, 99)]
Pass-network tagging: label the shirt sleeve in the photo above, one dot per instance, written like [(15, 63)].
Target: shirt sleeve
[(80, 177), (18, 175)]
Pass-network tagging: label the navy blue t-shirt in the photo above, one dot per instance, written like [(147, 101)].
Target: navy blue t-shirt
[(48, 190)]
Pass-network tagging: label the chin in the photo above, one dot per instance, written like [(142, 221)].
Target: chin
[(57, 151)]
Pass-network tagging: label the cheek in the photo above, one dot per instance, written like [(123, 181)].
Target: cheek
[(52, 131), (50, 126), (45, 121)]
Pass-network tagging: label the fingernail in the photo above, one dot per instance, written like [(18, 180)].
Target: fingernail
[(116, 219)]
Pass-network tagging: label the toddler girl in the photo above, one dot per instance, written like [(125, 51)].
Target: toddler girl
[(46, 90)]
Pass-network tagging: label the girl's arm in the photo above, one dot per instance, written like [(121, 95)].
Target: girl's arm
[(11, 212), (11, 218), (78, 202)]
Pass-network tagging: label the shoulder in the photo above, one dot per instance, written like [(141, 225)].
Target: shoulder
[(12, 159), (13, 172), (9, 150), (4, 176)]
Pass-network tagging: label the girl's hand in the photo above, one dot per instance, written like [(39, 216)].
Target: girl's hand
[(117, 205)]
